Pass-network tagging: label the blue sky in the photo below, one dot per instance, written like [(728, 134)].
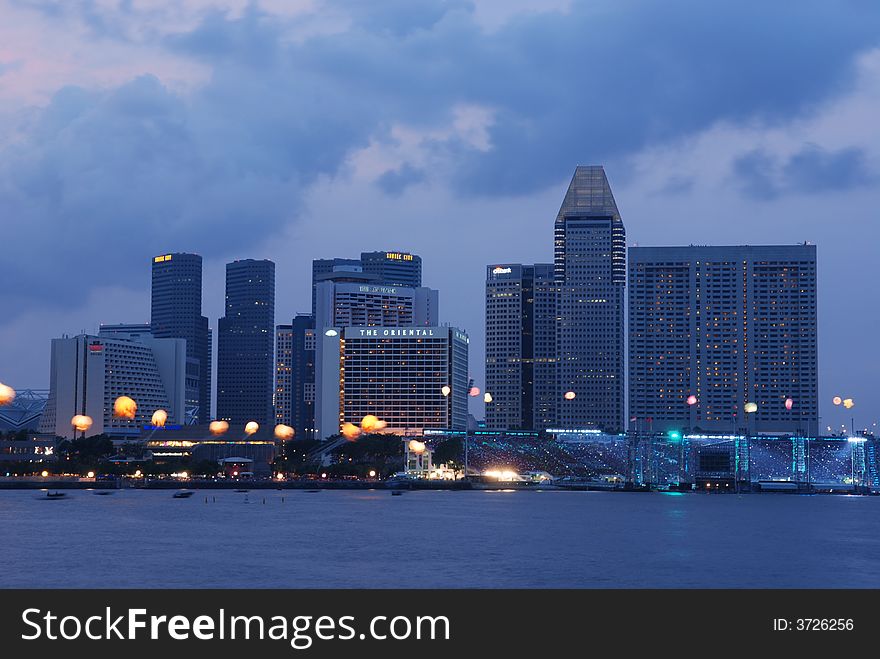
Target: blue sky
[(294, 129)]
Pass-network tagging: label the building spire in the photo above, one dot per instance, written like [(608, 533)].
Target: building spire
[(589, 194)]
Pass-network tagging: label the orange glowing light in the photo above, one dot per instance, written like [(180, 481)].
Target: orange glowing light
[(283, 432), (371, 423), (837, 400), (474, 391), (789, 403), (350, 431), (848, 403), (416, 446), (7, 394), (159, 418), (81, 422), (218, 427), (692, 400), (570, 395), (750, 408), (124, 407), (251, 427), (487, 397)]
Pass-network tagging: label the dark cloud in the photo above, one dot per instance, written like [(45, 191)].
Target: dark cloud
[(99, 178), (812, 170), (755, 172), (395, 181)]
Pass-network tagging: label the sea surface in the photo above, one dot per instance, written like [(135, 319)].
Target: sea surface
[(437, 539)]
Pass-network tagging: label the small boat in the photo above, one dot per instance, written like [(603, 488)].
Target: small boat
[(396, 493), (183, 495), (103, 493), (241, 491), (310, 491), (56, 495)]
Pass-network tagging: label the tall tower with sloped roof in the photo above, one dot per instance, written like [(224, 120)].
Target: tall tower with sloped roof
[(590, 270)]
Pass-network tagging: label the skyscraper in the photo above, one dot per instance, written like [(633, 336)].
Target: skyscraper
[(521, 346), (726, 326), (176, 313), (380, 288), (246, 343), (590, 269), (295, 375), (394, 268)]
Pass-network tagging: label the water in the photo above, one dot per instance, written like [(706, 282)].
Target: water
[(369, 539)]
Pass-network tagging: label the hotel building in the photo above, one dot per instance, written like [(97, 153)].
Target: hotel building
[(88, 373), (395, 373)]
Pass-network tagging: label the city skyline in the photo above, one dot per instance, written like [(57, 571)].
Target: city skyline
[(747, 150)]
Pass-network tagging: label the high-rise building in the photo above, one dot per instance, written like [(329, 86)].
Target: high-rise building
[(295, 376), (360, 304), (395, 373), (521, 346), (283, 397), (714, 328), (88, 373), (590, 269), (394, 268), (246, 343), (380, 288), (176, 313)]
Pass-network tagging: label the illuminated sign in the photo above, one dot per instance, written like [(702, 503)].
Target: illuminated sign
[(387, 290), (331, 332), (415, 331), (95, 348), (498, 270), (162, 259), (398, 256)]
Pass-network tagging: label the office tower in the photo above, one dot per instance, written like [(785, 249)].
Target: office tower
[(395, 373), (88, 373), (295, 376), (283, 374), (590, 269), (246, 343), (176, 313), (521, 346), (394, 268), (728, 326)]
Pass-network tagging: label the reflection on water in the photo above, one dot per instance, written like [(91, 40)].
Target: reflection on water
[(438, 539)]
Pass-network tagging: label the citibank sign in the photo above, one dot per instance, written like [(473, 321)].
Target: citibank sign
[(498, 270)]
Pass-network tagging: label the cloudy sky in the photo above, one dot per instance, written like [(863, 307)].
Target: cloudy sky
[(295, 129)]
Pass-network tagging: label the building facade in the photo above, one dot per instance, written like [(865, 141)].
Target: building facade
[(397, 374), (521, 305), (176, 313), (719, 327), (283, 396), (394, 268), (246, 344), (88, 373), (295, 376), (356, 304), (590, 270)]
